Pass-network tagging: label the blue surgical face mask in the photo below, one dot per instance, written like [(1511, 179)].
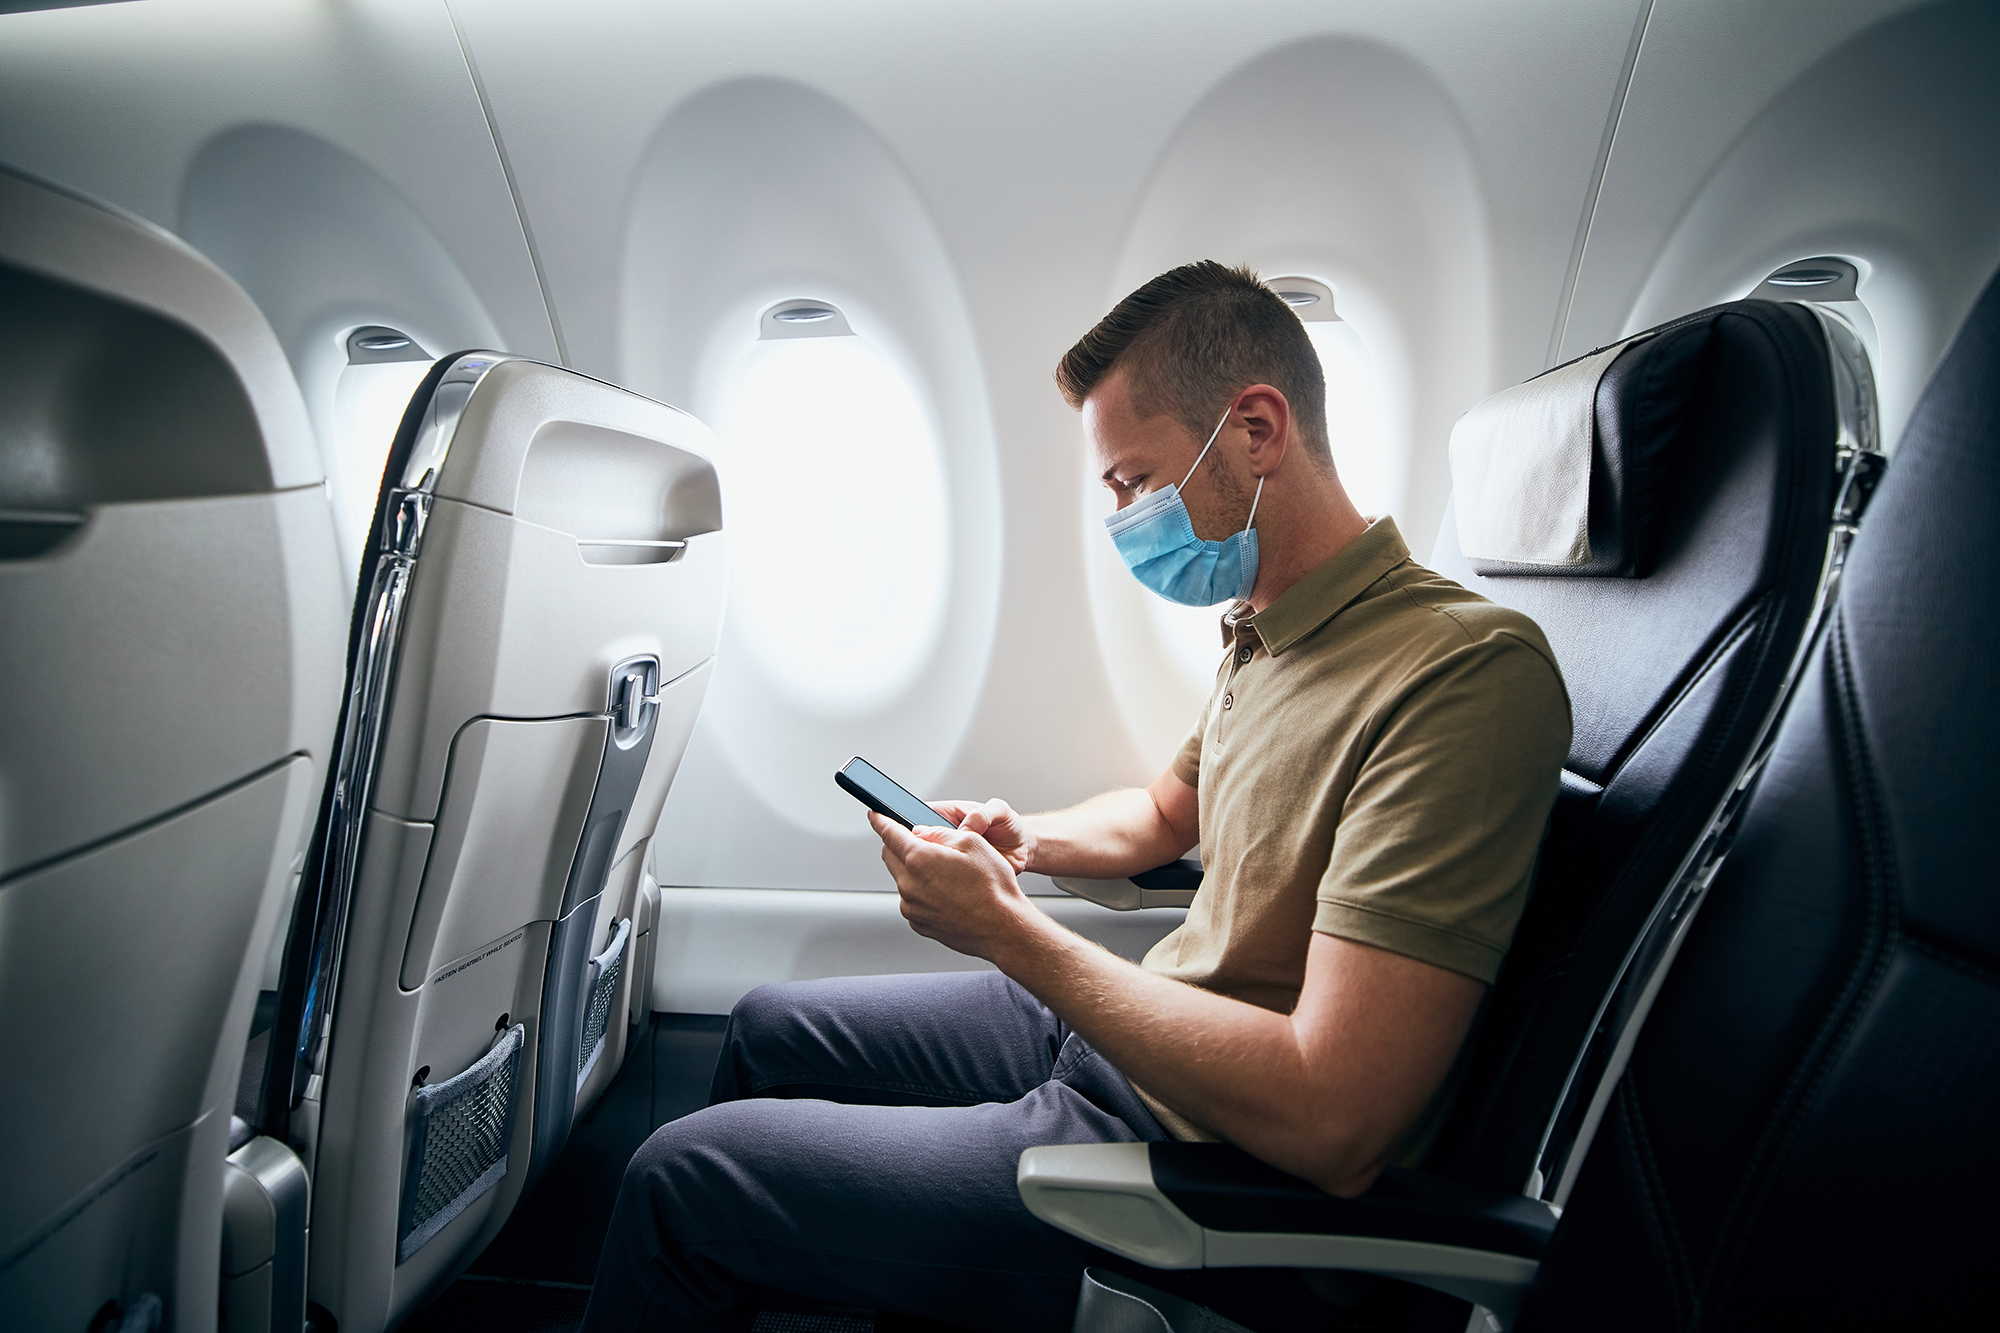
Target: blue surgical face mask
[(1156, 538)]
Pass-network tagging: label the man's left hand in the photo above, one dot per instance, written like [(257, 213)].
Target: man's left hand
[(956, 888)]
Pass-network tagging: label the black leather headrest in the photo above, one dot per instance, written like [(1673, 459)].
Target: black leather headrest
[(1640, 405), (1717, 435)]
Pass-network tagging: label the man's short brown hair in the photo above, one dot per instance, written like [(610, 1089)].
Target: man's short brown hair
[(1192, 339)]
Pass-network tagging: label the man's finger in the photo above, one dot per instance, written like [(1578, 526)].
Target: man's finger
[(964, 842), (891, 833)]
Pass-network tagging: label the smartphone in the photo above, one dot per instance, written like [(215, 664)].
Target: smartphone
[(868, 785)]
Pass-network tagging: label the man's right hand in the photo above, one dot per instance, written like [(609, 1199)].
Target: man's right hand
[(1003, 828), (1118, 833)]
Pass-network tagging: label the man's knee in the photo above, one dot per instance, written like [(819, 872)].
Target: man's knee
[(662, 1149), (692, 1165), (760, 1021), (767, 1008)]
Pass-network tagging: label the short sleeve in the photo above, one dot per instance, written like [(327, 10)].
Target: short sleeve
[(1436, 846)]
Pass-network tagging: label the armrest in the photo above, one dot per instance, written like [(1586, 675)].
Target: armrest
[(1170, 885), (1211, 1205), (266, 1199)]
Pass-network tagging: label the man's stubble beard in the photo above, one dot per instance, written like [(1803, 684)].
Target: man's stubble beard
[(1232, 499)]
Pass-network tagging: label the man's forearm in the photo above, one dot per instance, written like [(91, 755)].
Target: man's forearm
[(1324, 1092), (1109, 836), (1237, 1070)]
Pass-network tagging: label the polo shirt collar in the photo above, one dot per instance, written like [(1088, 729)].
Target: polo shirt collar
[(1328, 589)]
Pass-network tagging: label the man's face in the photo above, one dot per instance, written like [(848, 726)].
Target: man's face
[(1136, 457)]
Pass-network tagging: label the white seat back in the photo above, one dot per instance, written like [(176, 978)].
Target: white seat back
[(531, 648), (170, 619)]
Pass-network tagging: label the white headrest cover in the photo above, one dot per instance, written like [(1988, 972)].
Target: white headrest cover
[(1520, 468)]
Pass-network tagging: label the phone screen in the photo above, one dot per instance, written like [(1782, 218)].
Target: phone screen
[(870, 786)]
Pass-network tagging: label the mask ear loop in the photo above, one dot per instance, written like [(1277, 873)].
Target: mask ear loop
[(1210, 445), (1251, 521)]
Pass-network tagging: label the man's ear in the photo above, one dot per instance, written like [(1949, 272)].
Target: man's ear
[(1267, 418)]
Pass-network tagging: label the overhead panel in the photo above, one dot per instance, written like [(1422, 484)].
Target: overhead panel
[(333, 159), (1760, 136)]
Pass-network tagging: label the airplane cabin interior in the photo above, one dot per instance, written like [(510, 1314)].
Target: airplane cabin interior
[(470, 470)]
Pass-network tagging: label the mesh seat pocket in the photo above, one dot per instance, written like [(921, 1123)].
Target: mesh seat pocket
[(459, 1133), (604, 973)]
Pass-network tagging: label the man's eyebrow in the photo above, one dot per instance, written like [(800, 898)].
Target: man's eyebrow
[(1110, 477)]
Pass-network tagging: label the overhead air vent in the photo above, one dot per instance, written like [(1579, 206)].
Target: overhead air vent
[(803, 319), (374, 344), (1818, 280), (1310, 298)]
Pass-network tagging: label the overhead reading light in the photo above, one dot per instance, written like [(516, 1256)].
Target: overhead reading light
[(803, 319), (375, 344), (1309, 298), (1818, 280)]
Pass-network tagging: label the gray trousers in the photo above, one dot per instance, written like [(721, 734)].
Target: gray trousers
[(860, 1148)]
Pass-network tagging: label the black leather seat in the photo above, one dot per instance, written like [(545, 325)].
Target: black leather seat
[(1713, 481), (1805, 1136)]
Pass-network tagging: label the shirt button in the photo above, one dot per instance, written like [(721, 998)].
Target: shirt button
[(1242, 654), (1228, 701)]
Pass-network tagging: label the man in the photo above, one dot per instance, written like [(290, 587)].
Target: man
[(1369, 784)]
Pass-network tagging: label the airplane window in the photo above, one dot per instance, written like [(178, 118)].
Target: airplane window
[(383, 369), (838, 547)]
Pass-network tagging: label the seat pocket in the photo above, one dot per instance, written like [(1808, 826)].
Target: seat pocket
[(604, 973), (459, 1132)]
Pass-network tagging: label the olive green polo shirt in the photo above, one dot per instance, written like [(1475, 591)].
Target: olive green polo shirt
[(1377, 762)]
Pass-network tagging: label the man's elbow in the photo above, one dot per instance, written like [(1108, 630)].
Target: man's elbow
[(1341, 1160), (1176, 812), (1348, 1180)]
